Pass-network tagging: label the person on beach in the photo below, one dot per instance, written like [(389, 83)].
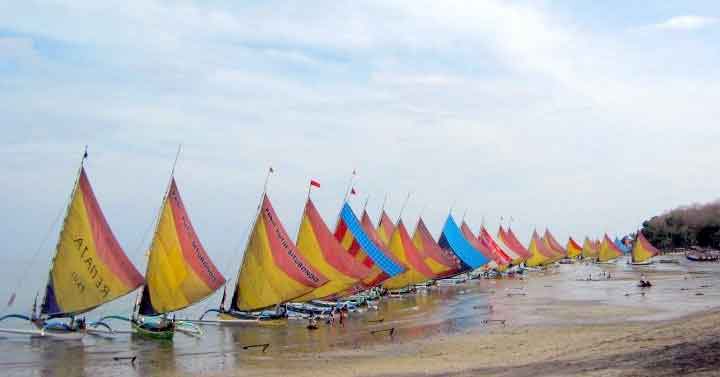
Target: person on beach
[(342, 315)]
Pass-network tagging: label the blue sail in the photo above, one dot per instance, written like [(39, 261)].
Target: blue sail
[(453, 240), (373, 251)]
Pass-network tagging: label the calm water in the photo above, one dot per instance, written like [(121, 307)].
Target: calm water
[(548, 297)]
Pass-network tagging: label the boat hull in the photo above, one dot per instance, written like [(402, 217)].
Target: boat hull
[(164, 334), (241, 318)]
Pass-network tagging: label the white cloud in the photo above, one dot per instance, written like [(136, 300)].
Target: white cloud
[(687, 23)]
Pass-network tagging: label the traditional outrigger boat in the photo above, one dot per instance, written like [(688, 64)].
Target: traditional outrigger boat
[(89, 269), (608, 251), (643, 251)]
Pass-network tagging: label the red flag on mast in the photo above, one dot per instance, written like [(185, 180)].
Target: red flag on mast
[(352, 191), (314, 183)]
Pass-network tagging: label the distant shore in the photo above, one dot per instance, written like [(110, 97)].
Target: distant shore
[(688, 346)]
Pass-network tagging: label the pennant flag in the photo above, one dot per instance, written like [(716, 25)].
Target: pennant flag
[(352, 191), (90, 268), (453, 240), (179, 272), (273, 269), (320, 248), (314, 183)]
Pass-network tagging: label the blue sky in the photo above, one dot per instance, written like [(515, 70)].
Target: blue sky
[(586, 116)]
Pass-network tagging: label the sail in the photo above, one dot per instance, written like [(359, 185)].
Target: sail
[(90, 267), (588, 249), (441, 262), (499, 259), (621, 245), (540, 255), (402, 247), (385, 228), (179, 271), (643, 250), (320, 248), (453, 240), (509, 238), (516, 258), (486, 239), (552, 243), (360, 241), (608, 250), (573, 248), (273, 270)]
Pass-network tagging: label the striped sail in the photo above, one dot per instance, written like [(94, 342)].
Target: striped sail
[(588, 249), (509, 238), (360, 240), (385, 228), (404, 250), (499, 259), (608, 250), (516, 258), (90, 267), (540, 255), (573, 248), (554, 246), (441, 262), (273, 270), (486, 239), (179, 271), (643, 250), (320, 248), (452, 239)]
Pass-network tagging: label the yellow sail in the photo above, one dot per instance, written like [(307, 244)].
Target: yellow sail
[(588, 249), (404, 250), (385, 228), (89, 268), (608, 250), (320, 248), (273, 270), (537, 258), (179, 272), (573, 249), (643, 250)]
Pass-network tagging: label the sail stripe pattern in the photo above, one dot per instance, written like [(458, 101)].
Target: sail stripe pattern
[(485, 249), (385, 228), (273, 271), (404, 250), (487, 240), (452, 239), (608, 250), (643, 249), (318, 245), (441, 262), (554, 246), (540, 256), (512, 241), (573, 248), (180, 272), (90, 267)]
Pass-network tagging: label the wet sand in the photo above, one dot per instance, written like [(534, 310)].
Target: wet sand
[(553, 323)]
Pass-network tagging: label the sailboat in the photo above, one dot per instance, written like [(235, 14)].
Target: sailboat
[(642, 251), (318, 246), (89, 269), (404, 250), (441, 262), (179, 271), (554, 246), (361, 241), (515, 258), (508, 238), (487, 240), (385, 228), (589, 251), (608, 251), (498, 260), (574, 250), (453, 240), (541, 256)]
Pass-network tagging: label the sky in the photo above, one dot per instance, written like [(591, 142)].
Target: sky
[(585, 117)]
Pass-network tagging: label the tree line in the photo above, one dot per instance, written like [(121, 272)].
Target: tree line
[(686, 226)]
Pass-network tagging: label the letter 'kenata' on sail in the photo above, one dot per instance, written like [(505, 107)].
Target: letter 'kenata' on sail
[(180, 272), (89, 268), (273, 270)]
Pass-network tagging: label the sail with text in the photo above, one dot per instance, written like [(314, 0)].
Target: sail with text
[(509, 238), (90, 267), (360, 241), (574, 249), (441, 262), (385, 228), (404, 250), (554, 246), (452, 239), (540, 254), (273, 270), (320, 248), (608, 250), (179, 271), (643, 250)]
